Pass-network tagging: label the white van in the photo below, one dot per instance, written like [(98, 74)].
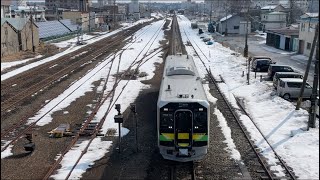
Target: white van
[(290, 88), (279, 75)]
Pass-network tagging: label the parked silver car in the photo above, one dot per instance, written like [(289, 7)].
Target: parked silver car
[(289, 88), (279, 75)]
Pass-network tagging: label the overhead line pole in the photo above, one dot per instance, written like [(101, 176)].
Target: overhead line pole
[(312, 114), (31, 25), (114, 13), (308, 67)]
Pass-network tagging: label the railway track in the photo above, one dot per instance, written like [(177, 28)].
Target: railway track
[(20, 125), (24, 128), (182, 170), (176, 41), (137, 65), (24, 89), (253, 160)]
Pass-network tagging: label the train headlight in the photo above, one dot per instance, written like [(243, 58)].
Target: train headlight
[(170, 127), (196, 127)]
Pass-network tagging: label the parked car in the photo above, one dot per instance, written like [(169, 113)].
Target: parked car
[(261, 65), (289, 88), (279, 75), (206, 39), (273, 68), (259, 57)]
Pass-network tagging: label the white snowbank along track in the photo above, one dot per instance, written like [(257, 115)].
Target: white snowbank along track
[(182, 111)]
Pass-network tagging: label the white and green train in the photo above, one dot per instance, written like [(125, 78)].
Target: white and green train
[(183, 111)]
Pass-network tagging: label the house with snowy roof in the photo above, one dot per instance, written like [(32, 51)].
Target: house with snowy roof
[(233, 24), (273, 17)]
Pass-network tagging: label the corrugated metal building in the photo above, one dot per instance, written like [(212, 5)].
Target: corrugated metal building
[(285, 38)]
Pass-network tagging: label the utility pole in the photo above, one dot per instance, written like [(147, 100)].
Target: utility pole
[(211, 11), (57, 12), (89, 20), (114, 13), (31, 26), (246, 48), (308, 67), (226, 28), (312, 114)]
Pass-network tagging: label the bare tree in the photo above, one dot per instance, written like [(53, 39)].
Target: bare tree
[(237, 6), (294, 12)]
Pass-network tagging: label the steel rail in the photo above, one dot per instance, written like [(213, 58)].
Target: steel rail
[(231, 110), (8, 103), (273, 150), (101, 121), (238, 121), (54, 106), (65, 58)]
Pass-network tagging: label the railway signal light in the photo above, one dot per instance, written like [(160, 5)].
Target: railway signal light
[(119, 119)]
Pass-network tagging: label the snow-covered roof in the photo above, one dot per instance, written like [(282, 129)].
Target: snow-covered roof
[(224, 18), (277, 13), (298, 80), (269, 7), (310, 15), (291, 73)]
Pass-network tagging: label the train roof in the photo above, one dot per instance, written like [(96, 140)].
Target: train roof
[(181, 82)]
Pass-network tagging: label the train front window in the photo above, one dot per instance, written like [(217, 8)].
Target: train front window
[(183, 121)]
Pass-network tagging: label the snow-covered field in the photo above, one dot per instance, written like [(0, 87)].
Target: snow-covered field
[(275, 117)]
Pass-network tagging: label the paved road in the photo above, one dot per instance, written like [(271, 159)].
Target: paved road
[(257, 47)]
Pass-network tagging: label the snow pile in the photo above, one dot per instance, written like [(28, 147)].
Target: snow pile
[(6, 65)]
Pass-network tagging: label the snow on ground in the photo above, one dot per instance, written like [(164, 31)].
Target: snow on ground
[(275, 50), (274, 116), (6, 65), (96, 151), (72, 48), (135, 51), (7, 152), (157, 15), (261, 34), (231, 147)]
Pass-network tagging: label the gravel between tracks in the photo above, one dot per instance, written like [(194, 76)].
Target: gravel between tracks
[(148, 163), (23, 165)]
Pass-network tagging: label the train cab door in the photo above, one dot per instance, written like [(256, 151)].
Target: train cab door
[(183, 128)]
